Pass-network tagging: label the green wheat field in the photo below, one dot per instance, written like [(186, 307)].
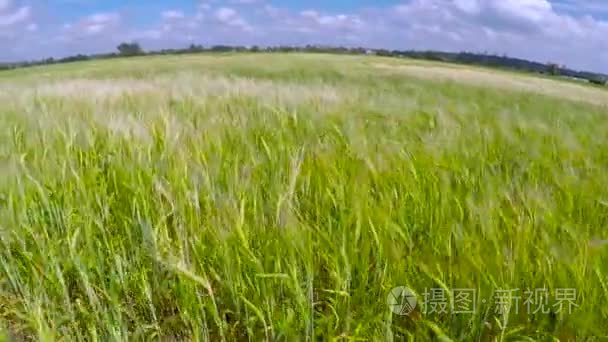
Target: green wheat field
[(282, 197)]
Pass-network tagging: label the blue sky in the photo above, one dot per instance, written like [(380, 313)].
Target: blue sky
[(570, 32)]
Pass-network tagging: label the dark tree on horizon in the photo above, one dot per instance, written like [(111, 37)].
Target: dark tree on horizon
[(130, 49)]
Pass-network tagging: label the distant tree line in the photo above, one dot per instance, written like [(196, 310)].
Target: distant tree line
[(130, 49)]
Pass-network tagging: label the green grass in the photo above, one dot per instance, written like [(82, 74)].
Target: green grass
[(282, 197)]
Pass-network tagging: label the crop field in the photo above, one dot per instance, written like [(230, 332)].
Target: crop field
[(297, 197)]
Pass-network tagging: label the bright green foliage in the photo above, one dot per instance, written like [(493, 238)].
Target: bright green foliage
[(282, 197)]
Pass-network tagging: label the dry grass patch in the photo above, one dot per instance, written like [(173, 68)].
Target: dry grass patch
[(177, 86), (497, 79)]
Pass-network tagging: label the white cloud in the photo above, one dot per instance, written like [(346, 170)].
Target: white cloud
[(16, 17), (525, 28), (4, 4), (94, 28), (587, 7), (533, 10), (315, 21), (309, 14), (271, 11), (225, 14), (93, 24), (102, 18), (32, 27), (468, 6), (231, 18), (172, 14), (201, 11), (244, 2)]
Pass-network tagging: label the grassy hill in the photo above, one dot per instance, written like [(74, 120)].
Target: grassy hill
[(283, 197)]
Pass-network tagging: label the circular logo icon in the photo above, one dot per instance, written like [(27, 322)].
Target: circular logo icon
[(401, 300)]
